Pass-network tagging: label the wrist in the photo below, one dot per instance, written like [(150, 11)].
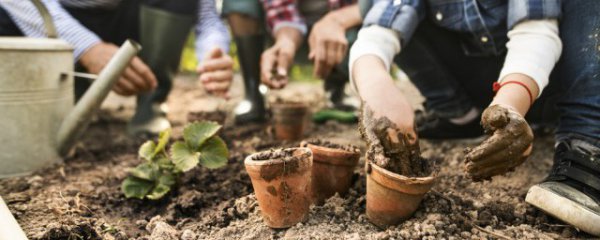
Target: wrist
[(346, 17), (289, 36)]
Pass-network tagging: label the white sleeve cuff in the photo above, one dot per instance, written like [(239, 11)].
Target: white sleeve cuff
[(374, 40), (297, 25), (533, 50)]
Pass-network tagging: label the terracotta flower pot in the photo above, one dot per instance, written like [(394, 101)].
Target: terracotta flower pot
[(282, 180), (393, 198), (290, 119), (332, 170)]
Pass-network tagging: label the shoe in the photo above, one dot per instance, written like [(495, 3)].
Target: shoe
[(571, 192), (252, 108), (152, 125), (162, 36), (431, 126)]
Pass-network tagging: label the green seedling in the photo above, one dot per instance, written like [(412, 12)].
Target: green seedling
[(155, 177)]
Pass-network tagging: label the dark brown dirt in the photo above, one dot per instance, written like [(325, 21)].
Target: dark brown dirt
[(391, 149), (329, 144), (81, 198)]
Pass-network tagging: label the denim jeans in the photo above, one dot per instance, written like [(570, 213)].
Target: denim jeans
[(453, 82)]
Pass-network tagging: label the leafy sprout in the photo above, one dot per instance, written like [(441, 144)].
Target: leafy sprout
[(155, 177)]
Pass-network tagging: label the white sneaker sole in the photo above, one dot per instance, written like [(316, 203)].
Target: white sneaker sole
[(564, 209)]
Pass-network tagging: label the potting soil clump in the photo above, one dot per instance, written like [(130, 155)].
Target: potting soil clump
[(391, 149)]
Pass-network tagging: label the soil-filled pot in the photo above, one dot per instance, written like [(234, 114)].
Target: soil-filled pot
[(282, 184), (393, 198), (333, 168), (290, 119)]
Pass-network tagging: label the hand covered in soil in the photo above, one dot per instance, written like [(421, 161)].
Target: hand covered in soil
[(136, 78), (508, 146), (216, 72), (328, 45), (389, 147)]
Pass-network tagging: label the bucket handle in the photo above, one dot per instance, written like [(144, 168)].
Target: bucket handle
[(47, 18)]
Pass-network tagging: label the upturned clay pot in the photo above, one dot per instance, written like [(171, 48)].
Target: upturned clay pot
[(290, 119), (393, 198), (282, 183), (333, 168)]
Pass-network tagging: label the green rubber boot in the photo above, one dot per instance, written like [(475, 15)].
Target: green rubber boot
[(162, 36), (252, 108)]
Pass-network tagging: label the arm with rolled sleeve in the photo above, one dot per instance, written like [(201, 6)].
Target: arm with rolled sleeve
[(534, 44), (386, 27), (28, 19), (283, 13), (210, 30)]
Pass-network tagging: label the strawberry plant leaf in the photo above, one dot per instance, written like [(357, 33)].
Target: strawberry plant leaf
[(158, 192), (164, 162), (214, 153), (136, 187), (146, 171), (167, 179), (163, 139), (183, 157), (147, 150), (197, 133)]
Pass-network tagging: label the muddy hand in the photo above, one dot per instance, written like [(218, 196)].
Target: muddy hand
[(388, 146), (508, 146)]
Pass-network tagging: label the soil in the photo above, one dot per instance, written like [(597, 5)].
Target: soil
[(81, 198), (328, 144), (391, 149)]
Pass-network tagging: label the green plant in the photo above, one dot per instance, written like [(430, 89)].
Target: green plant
[(158, 173)]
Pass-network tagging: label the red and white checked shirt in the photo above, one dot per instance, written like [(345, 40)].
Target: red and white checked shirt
[(285, 13)]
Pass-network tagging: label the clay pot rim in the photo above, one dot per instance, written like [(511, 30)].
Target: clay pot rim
[(290, 105), (251, 162), (397, 182), (349, 158)]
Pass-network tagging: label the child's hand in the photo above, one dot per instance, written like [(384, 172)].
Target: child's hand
[(508, 147)]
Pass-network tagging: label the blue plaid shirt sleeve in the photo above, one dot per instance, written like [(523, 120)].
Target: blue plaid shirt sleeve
[(402, 16), (520, 10)]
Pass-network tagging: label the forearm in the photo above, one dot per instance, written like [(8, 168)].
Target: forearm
[(516, 96), (347, 17), (289, 35), (533, 49), (371, 75)]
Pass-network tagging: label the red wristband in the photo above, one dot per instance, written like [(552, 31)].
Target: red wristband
[(496, 87)]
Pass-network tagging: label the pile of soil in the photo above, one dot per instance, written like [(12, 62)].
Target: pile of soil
[(81, 199)]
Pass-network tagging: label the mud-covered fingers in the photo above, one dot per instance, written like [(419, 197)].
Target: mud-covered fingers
[(493, 144), (144, 72), (499, 162), (499, 169)]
